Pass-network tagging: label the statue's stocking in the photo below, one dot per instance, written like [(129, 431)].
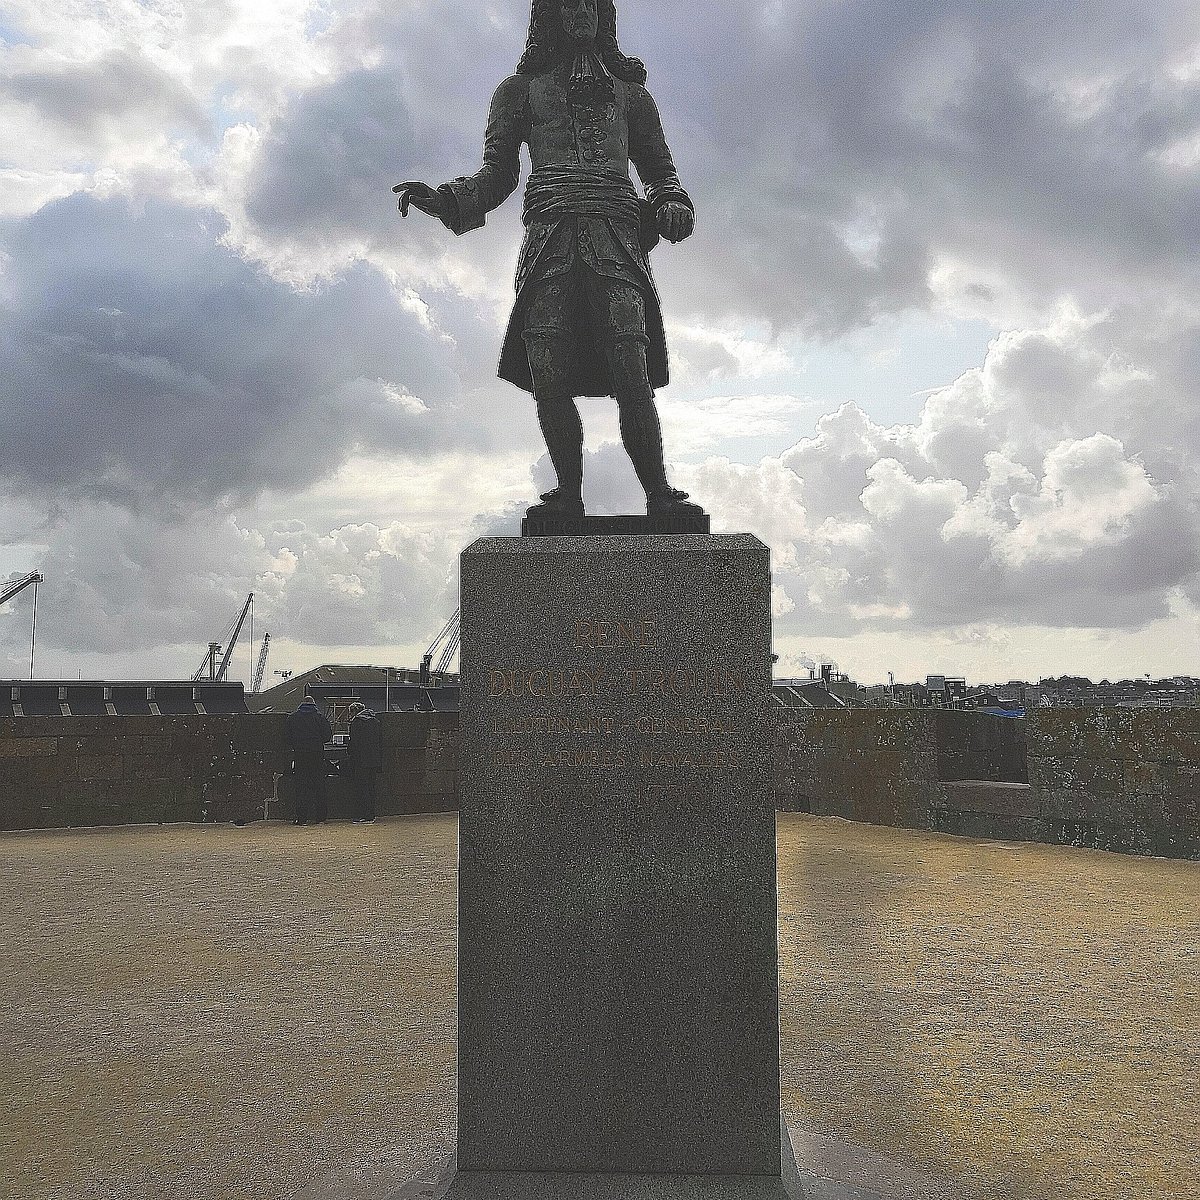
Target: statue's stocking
[(642, 435), (563, 431)]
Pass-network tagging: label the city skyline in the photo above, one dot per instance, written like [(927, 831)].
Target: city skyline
[(935, 339)]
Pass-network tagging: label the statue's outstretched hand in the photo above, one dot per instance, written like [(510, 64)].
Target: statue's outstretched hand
[(675, 221), (421, 195)]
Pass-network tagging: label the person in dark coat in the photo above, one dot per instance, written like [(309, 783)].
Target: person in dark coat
[(308, 730), (364, 759)]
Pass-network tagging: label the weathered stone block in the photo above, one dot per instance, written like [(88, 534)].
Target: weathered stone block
[(43, 811), (1098, 776), (142, 792), (1142, 776), (1106, 732), (86, 793), (91, 726), (990, 825), (1171, 734), (93, 745), (29, 727), (1123, 837), (157, 745), (262, 731), (1177, 841), (96, 815), (997, 798), (189, 738), (145, 766), (98, 766), (1069, 805), (406, 731), (23, 775), (28, 747)]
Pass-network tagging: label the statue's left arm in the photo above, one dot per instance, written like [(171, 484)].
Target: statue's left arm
[(650, 154)]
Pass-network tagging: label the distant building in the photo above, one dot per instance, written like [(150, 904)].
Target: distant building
[(989, 700), (804, 693), (945, 690), (97, 698), (1180, 691), (385, 689), (830, 689)]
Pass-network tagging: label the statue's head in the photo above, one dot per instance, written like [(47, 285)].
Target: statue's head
[(559, 27), (579, 21)]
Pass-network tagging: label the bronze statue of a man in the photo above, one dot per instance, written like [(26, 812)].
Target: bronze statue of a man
[(587, 320)]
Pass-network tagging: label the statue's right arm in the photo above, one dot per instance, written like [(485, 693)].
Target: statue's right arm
[(463, 204)]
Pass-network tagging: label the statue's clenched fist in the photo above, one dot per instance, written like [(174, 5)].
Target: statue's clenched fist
[(675, 221), (421, 195)]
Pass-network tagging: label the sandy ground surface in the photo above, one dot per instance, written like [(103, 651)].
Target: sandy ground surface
[(268, 1012)]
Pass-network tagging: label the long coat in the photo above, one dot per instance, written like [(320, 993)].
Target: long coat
[(365, 753), (534, 110)]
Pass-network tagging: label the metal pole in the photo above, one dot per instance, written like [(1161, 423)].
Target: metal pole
[(33, 636)]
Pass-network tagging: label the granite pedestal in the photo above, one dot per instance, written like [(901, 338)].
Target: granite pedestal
[(618, 996)]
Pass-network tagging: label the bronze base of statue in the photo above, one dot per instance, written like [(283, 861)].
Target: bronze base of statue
[(557, 525), (668, 510)]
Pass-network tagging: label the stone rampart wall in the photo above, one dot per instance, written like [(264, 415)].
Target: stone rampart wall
[(863, 764), (79, 771), (1116, 779), (68, 771), (1109, 778)]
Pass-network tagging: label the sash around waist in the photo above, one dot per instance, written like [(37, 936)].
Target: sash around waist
[(562, 190)]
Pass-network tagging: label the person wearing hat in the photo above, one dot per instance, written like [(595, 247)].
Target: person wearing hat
[(364, 759), (308, 730)]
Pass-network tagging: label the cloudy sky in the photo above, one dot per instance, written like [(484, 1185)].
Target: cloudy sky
[(936, 338)]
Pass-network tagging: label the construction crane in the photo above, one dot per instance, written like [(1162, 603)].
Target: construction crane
[(262, 663), (229, 640), (9, 590), (449, 640)]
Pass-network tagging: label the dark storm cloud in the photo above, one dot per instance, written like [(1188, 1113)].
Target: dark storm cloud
[(1022, 136), (326, 167), (836, 152), (146, 364), (83, 98)]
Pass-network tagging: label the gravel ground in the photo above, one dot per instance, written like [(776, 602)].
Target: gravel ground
[(194, 1013), (1022, 1019)]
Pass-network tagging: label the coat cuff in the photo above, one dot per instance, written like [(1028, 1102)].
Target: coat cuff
[(663, 191), (467, 211)]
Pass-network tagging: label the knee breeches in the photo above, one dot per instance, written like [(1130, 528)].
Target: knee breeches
[(566, 308)]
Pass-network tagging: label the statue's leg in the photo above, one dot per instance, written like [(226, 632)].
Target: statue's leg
[(549, 342), (621, 312)]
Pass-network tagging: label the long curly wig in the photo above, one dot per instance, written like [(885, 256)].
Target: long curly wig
[(548, 42)]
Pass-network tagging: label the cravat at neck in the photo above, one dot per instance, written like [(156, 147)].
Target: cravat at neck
[(590, 78)]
